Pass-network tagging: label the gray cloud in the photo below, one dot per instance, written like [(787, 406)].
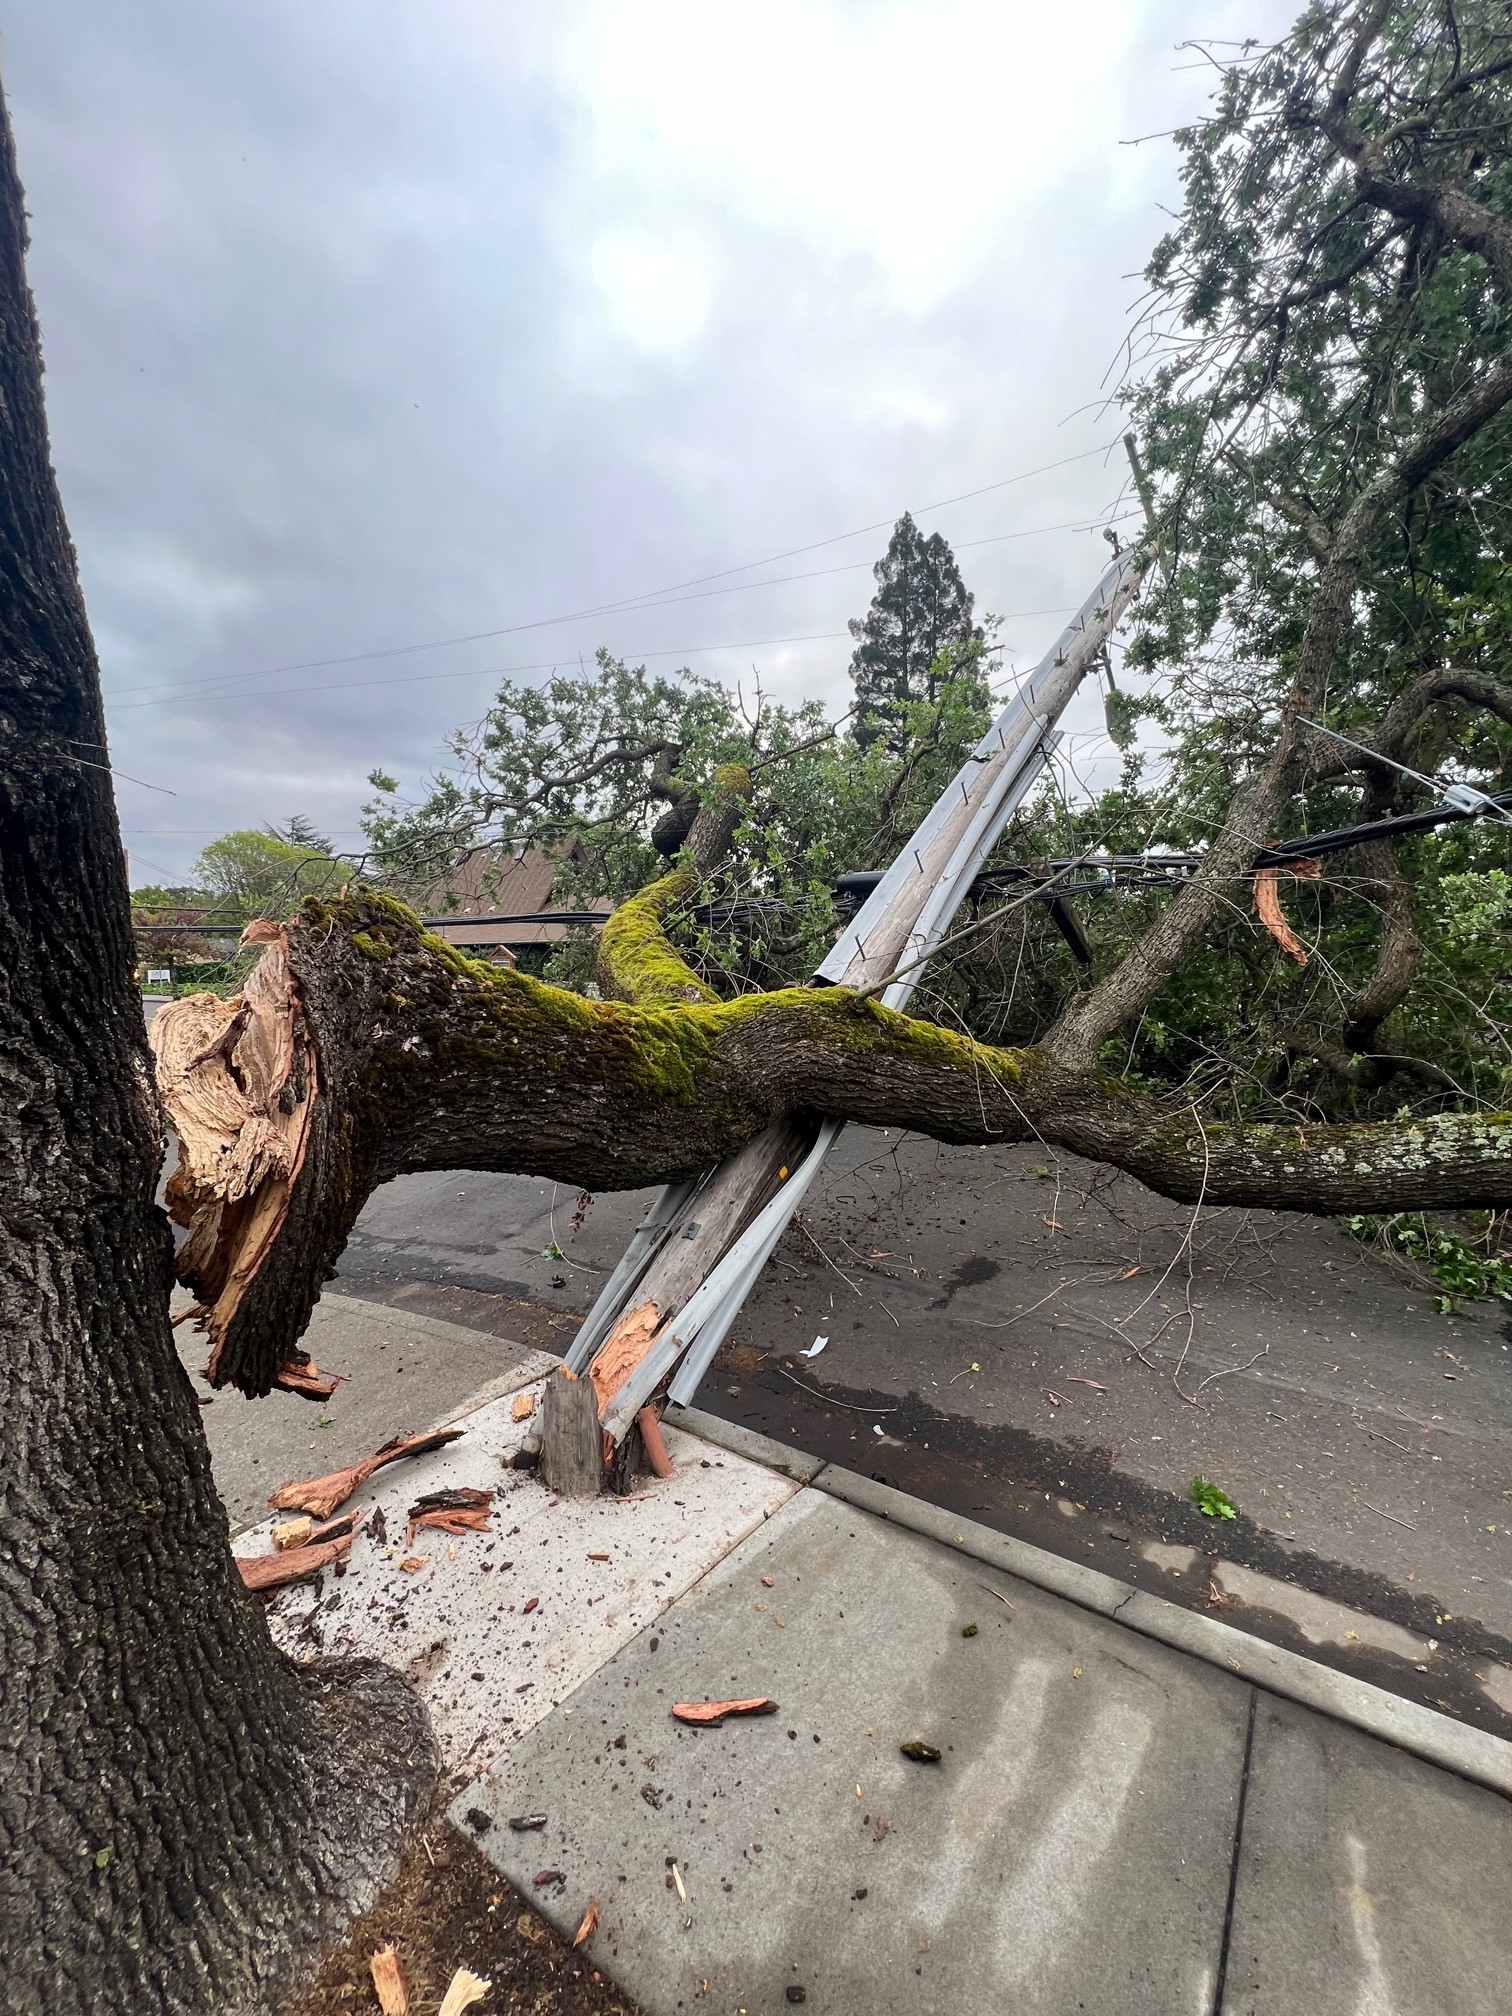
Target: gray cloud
[(368, 324)]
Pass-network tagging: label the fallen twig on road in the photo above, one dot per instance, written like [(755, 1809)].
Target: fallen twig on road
[(849, 1405)]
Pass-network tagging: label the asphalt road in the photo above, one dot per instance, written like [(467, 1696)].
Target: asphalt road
[(1037, 1322)]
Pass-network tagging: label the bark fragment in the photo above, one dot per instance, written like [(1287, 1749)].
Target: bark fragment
[(458, 1511), (302, 1376), (321, 1495), (709, 1714)]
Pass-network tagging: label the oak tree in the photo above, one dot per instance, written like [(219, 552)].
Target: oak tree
[(183, 1813)]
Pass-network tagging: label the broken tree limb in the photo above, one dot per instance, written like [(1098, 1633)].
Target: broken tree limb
[(426, 1060), (321, 1495), (262, 1572)]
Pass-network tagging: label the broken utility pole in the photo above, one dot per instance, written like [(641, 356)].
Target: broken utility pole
[(696, 1256)]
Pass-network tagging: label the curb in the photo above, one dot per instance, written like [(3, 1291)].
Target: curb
[(1422, 1732), (794, 1463)]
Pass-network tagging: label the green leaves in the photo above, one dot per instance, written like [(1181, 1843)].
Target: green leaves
[(1463, 1273), (1210, 1501), (917, 637)]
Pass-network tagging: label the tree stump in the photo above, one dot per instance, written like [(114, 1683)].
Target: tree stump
[(572, 1443)]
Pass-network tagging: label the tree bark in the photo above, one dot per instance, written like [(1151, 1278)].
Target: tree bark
[(183, 1815), (429, 1060)]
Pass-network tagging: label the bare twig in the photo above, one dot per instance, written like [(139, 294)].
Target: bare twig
[(849, 1406)]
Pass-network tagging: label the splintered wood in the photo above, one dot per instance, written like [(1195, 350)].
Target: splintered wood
[(389, 1983), (293, 1564), (571, 1407), (303, 1376), (300, 1549), (622, 1350), (465, 1989), (572, 1455), (1268, 905), (239, 1083), (457, 1511), (321, 1495)]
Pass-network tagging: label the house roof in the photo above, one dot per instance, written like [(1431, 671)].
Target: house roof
[(512, 881)]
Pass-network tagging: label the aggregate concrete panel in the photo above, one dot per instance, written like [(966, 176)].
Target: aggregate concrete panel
[(1368, 1883), (494, 1630), (1070, 1851)]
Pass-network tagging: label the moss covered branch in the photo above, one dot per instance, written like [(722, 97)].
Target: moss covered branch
[(402, 1054)]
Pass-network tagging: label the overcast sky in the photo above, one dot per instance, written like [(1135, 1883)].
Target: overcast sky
[(371, 325)]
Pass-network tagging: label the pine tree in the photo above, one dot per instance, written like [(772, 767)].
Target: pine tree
[(299, 831), (919, 620)]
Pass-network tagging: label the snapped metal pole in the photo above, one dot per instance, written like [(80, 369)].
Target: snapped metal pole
[(897, 928)]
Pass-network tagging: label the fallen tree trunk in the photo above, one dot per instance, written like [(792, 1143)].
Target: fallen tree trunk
[(400, 1054)]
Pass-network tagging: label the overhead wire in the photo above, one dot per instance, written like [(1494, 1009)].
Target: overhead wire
[(166, 695), (238, 679), (648, 598)]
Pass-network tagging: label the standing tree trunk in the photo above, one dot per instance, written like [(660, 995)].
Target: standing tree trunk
[(183, 1815)]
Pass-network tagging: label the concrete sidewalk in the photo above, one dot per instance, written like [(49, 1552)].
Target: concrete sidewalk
[(1135, 1808), (1113, 1824)]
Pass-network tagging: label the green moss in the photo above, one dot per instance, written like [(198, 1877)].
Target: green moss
[(636, 957), (733, 778)]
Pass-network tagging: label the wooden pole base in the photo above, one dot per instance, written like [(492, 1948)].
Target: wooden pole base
[(572, 1443)]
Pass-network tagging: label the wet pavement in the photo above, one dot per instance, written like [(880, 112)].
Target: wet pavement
[(1100, 1821), (1121, 1805), (1050, 1349)]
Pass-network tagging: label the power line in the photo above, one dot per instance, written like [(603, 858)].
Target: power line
[(648, 597), (737, 588), (500, 671), (549, 664), (239, 679)]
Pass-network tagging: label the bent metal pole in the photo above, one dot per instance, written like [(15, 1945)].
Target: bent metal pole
[(702, 1245)]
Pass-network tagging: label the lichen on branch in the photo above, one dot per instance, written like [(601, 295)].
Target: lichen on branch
[(423, 1059)]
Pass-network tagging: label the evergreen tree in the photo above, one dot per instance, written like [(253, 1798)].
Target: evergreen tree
[(919, 623), (299, 831)]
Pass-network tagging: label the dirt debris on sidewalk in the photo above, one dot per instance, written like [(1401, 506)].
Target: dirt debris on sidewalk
[(449, 1909)]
